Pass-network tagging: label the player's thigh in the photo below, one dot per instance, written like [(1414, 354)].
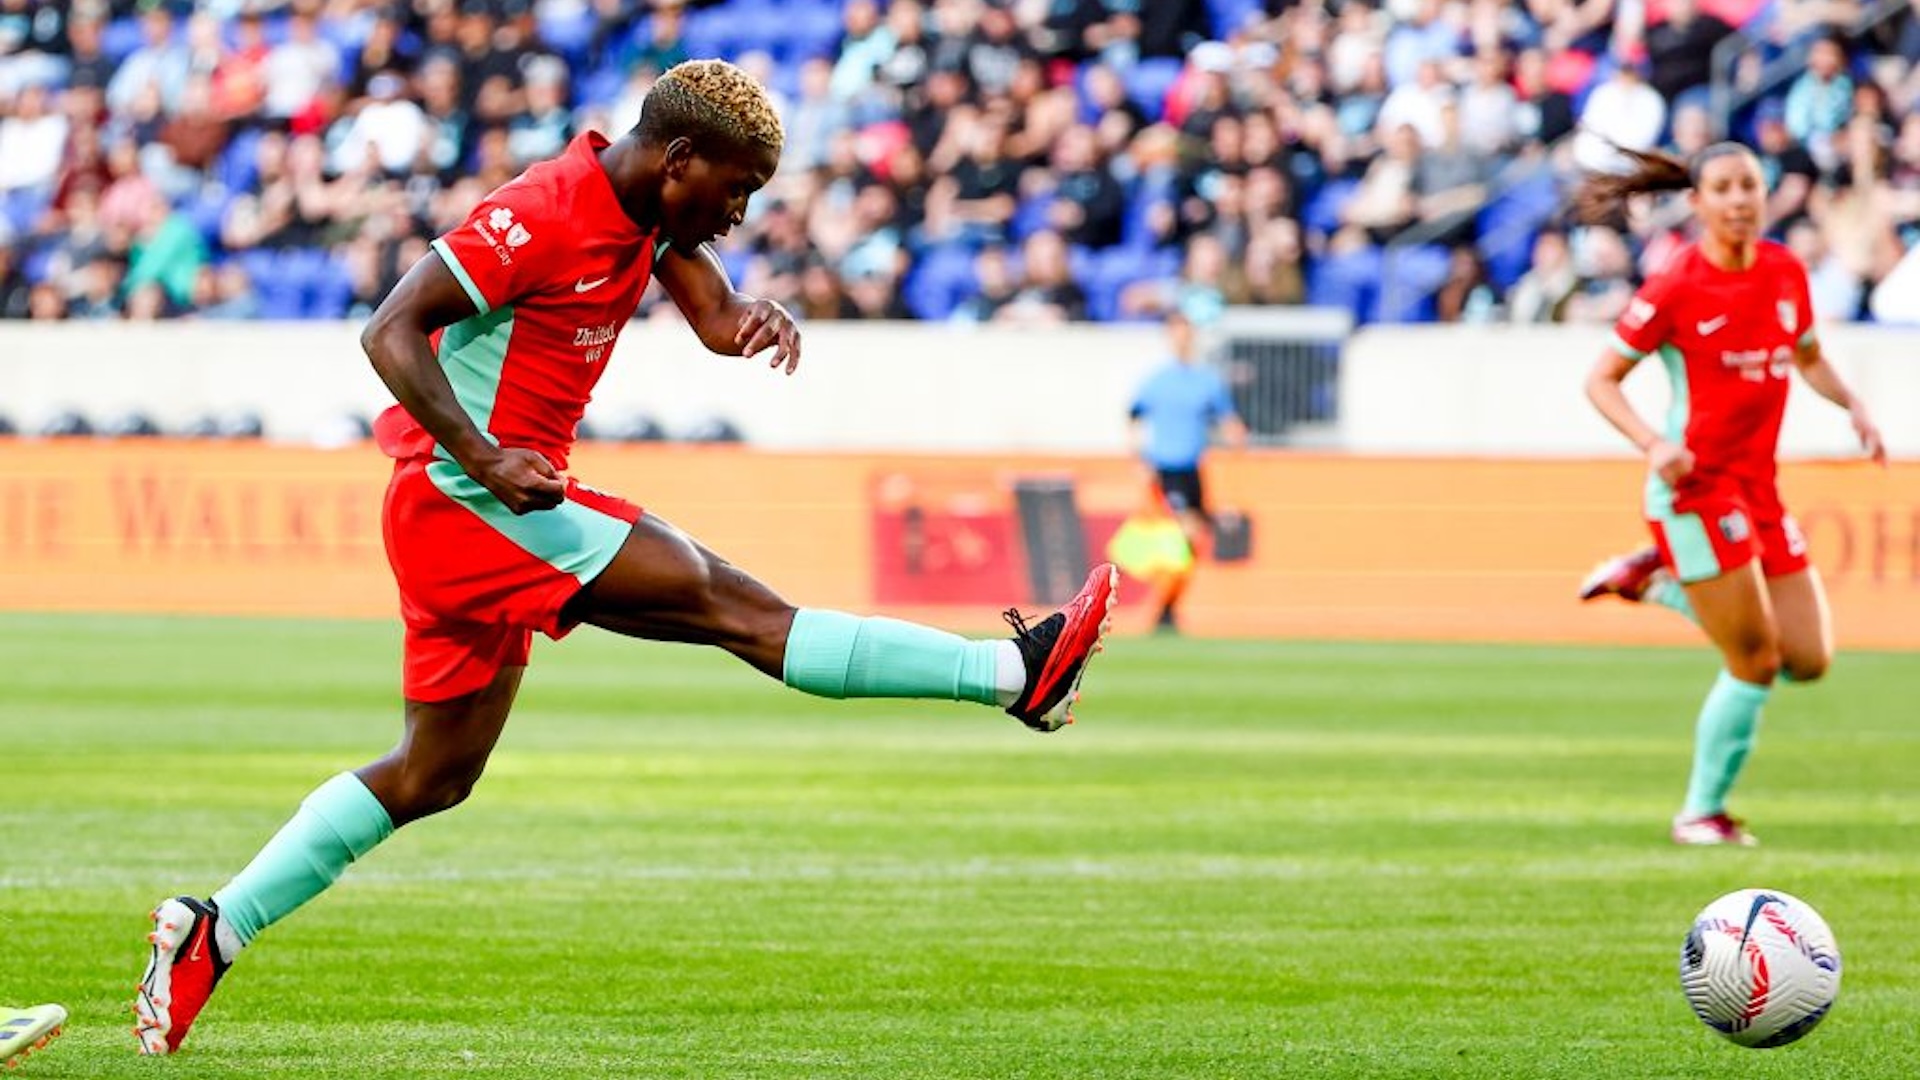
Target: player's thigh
[(666, 585), (1737, 613), (1805, 623)]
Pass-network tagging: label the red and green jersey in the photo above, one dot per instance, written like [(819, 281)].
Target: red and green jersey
[(555, 268), (1728, 339)]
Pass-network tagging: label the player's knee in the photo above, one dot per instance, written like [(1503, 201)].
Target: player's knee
[(1806, 669), (423, 792), (1757, 662)]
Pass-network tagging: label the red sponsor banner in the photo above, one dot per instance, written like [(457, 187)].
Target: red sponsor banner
[(1436, 549)]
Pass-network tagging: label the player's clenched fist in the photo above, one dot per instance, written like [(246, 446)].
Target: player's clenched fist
[(523, 480)]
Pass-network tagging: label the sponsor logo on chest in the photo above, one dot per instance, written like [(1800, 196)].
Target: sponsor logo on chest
[(593, 340)]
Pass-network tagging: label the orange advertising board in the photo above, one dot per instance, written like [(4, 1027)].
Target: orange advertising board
[(1343, 547)]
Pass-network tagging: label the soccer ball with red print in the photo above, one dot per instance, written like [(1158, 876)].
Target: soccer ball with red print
[(1760, 967)]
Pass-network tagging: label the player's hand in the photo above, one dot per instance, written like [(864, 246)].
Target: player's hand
[(523, 480), (1869, 434), (1669, 461), (768, 324)]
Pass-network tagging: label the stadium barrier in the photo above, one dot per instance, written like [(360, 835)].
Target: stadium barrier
[(1343, 547), (886, 387)]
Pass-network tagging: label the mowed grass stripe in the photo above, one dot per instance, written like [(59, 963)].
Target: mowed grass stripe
[(1249, 860)]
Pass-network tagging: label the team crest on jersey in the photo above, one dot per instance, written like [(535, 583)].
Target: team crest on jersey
[(1789, 315), (1734, 527), (502, 232), (1639, 311)]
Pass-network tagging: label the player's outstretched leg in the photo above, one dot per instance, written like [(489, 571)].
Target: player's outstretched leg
[(185, 966), (1625, 576), (1057, 649), (22, 1031)]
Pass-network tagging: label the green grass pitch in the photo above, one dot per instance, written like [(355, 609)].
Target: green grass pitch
[(1247, 860)]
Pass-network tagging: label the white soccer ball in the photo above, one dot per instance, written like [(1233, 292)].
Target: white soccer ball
[(1760, 967)]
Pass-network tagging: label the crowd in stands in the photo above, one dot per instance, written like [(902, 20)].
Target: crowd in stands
[(1026, 161)]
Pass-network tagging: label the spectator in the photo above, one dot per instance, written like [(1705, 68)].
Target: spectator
[(32, 141), (1488, 108), (1787, 167), (1541, 294), (1545, 114), (1835, 290), (97, 291), (225, 293), (1820, 101), (240, 78), (300, 67), (168, 252), (1680, 49), (821, 294), (1048, 295), (158, 63), (15, 290), (1384, 204), (813, 119), (1450, 182), (994, 286), (542, 130), (1623, 111), (1465, 295), (88, 65)]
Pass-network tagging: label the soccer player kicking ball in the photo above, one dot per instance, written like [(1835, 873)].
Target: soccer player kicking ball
[(492, 345), (1729, 316), (22, 1031)]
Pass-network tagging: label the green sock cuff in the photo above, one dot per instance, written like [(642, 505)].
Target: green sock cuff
[(352, 812), (339, 822), (820, 652), (1729, 720), (836, 655)]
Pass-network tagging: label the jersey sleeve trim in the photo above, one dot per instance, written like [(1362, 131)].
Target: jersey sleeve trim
[(1626, 351), (445, 251)]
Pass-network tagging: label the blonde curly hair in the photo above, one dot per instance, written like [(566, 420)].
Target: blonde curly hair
[(710, 99)]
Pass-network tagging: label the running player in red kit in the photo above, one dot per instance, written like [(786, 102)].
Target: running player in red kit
[(492, 345), (1729, 317)]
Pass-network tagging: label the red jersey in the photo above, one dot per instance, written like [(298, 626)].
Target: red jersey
[(555, 268), (1728, 339)]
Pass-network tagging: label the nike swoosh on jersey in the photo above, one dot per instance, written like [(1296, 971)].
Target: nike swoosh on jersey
[(1710, 325), (583, 285)]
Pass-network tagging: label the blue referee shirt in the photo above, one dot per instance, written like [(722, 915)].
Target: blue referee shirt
[(1180, 404)]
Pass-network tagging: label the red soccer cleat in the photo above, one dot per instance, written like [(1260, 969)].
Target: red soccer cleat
[(1625, 576), (186, 966), (1057, 650), (1709, 829)]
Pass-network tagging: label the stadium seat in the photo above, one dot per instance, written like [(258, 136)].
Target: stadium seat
[(939, 281), (119, 38), (1321, 215), (1410, 275), (1149, 81), (1230, 16), (568, 29), (1350, 281)]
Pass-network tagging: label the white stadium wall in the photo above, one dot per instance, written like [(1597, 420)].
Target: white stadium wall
[(1403, 390)]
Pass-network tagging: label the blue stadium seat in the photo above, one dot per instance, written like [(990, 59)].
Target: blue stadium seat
[(1349, 281), (1509, 223), (939, 281), (1410, 276), (1149, 81), (1322, 213), (119, 38), (569, 30), (1228, 16), (710, 32)]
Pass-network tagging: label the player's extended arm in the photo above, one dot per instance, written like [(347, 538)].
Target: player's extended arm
[(1671, 461), (727, 322), (396, 341), (1826, 382)]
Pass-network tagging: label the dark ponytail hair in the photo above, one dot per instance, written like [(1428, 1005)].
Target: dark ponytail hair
[(1603, 195)]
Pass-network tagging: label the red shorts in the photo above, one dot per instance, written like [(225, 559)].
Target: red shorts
[(1724, 526), (476, 581)]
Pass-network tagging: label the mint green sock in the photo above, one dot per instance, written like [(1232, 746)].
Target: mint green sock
[(1724, 735), (833, 654), (1670, 594), (338, 823)]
